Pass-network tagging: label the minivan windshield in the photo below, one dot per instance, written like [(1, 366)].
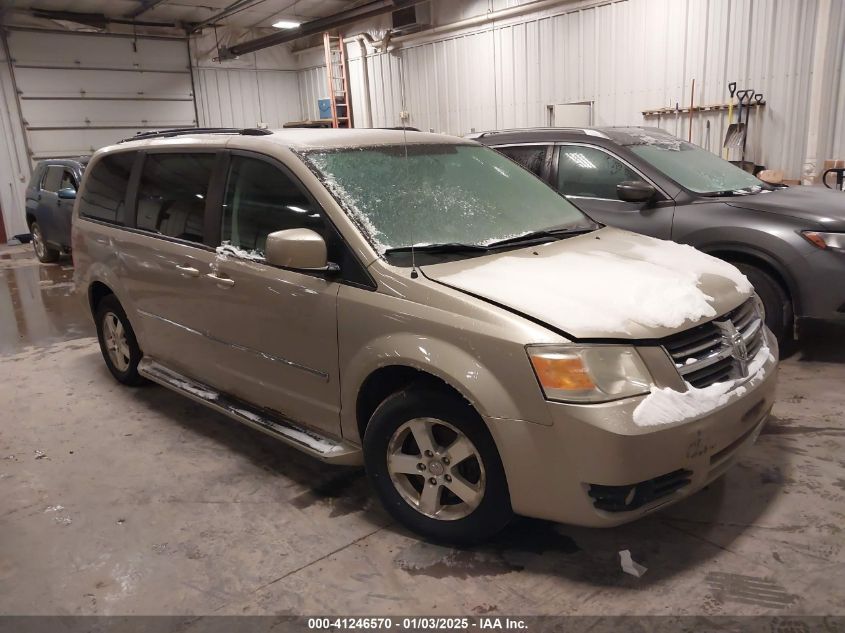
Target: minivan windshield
[(697, 169), (441, 194)]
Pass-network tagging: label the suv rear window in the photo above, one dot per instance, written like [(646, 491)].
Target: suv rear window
[(172, 194), (104, 195)]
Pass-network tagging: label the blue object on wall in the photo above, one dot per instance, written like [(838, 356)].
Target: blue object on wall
[(325, 108)]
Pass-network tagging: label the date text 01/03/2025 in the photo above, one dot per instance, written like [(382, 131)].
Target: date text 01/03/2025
[(416, 623)]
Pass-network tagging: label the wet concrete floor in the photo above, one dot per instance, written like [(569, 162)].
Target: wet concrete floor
[(139, 501)]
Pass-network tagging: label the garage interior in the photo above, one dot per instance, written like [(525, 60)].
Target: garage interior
[(118, 501)]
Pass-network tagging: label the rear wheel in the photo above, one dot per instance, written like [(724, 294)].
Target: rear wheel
[(776, 301), (117, 342), (43, 251), (435, 466)]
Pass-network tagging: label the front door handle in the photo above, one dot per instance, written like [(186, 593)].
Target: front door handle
[(223, 282), (188, 271)]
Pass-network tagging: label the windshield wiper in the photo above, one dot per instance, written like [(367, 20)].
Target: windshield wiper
[(447, 247), (745, 191), (542, 234)]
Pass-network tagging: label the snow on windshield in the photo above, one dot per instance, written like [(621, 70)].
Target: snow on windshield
[(689, 165), (438, 194)]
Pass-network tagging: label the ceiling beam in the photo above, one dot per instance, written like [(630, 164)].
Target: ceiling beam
[(144, 6), (320, 25), (94, 20), (236, 6)]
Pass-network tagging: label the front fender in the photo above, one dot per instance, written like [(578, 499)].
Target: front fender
[(478, 383)]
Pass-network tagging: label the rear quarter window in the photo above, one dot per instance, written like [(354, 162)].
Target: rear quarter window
[(104, 195)]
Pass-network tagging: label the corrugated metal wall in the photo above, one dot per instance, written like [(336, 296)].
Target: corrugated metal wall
[(625, 56), (832, 123), (14, 163), (260, 87), (245, 98)]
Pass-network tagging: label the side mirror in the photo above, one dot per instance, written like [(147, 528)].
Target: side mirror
[(636, 191), (68, 193), (300, 249)]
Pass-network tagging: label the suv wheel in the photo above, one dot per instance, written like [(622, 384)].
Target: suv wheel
[(117, 342), (775, 300), (43, 251), (435, 466)]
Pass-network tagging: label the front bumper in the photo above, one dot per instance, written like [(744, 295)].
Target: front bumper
[(561, 472), (820, 279)]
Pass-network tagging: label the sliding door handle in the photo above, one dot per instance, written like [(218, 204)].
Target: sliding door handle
[(188, 271), (223, 282)]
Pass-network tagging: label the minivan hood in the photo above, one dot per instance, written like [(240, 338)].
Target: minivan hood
[(604, 284), (814, 204)]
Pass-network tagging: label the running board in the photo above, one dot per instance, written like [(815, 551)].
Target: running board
[(320, 446)]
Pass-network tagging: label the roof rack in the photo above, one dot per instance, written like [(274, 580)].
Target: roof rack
[(591, 131), (180, 131)]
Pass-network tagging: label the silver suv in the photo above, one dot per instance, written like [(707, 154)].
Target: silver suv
[(423, 305)]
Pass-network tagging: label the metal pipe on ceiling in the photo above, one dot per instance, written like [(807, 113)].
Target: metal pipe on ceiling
[(363, 12), (225, 12), (145, 5), (95, 20), (479, 20)]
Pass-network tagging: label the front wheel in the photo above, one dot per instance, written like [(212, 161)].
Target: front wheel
[(435, 466), (776, 302), (43, 251)]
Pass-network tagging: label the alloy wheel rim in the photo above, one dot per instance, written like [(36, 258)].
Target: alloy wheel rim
[(116, 344), (436, 469), (37, 241)]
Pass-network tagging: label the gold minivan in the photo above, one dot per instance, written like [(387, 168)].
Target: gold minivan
[(420, 304)]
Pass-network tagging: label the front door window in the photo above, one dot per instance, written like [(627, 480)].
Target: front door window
[(589, 172), (260, 199)]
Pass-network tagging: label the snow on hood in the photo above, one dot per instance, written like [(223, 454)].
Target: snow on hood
[(608, 283)]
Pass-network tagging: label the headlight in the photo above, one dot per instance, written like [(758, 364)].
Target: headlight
[(589, 373), (836, 241)]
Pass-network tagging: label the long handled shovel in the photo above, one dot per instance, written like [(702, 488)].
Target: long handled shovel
[(732, 92), (758, 99), (736, 131)]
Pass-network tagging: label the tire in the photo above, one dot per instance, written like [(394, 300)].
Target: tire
[(123, 359), (776, 301), (393, 431), (43, 251)]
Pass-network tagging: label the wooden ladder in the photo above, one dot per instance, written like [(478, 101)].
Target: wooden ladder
[(338, 80)]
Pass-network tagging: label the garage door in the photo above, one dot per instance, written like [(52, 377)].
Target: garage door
[(79, 92)]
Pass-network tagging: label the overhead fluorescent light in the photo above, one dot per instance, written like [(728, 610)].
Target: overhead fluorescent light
[(286, 24)]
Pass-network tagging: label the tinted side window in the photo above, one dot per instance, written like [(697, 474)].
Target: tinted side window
[(531, 157), (261, 199), (590, 172), (172, 194), (53, 178), (104, 196), (68, 181)]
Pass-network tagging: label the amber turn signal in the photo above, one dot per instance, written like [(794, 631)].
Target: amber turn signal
[(561, 372)]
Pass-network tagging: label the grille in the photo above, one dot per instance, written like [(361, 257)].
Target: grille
[(633, 496), (702, 354)]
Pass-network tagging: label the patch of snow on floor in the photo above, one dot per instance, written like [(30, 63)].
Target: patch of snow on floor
[(667, 406)]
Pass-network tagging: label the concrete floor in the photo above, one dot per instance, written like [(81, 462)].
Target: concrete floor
[(138, 501)]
